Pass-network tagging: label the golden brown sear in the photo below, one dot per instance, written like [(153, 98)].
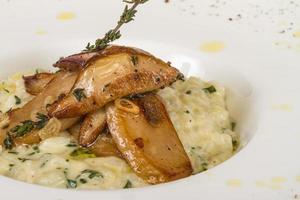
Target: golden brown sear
[(147, 139), (38, 104), (36, 83), (113, 75), (91, 127)]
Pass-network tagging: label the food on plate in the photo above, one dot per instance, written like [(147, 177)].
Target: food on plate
[(25, 123), (113, 75), (147, 139), (91, 127), (112, 117), (199, 136), (36, 83)]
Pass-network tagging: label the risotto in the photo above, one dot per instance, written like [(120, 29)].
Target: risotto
[(196, 108)]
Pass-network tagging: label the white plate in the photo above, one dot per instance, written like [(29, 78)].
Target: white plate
[(250, 46)]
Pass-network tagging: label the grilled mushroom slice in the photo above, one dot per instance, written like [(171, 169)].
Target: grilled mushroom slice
[(81, 60), (111, 76), (91, 127), (147, 139), (24, 117), (104, 144), (36, 83)]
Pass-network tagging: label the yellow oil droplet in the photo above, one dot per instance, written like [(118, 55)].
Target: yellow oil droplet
[(298, 178), (278, 179), (268, 185), (283, 107), (40, 32), (234, 182), (212, 46), (296, 34), (66, 16)]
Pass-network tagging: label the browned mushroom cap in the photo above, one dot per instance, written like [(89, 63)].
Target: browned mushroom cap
[(91, 127), (104, 144), (61, 84), (147, 139), (113, 76), (81, 60), (36, 83)]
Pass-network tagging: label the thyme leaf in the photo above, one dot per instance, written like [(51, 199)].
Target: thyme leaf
[(23, 128), (114, 34), (42, 121)]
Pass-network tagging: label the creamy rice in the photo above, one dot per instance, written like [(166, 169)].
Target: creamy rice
[(197, 109)]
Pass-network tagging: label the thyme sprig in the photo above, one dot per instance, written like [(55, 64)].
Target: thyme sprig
[(114, 34)]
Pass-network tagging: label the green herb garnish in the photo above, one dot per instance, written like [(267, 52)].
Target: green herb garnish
[(71, 145), (210, 89), (18, 100), (13, 152), (23, 159), (82, 153), (8, 142), (128, 184), (114, 34), (71, 183), (42, 121), (92, 173), (79, 94), (23, 128)]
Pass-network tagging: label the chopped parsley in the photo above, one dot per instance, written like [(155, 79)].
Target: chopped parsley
[(71, 183), (17, 100), (210, 89), (8, 142), (79, 94), (71, 145), (36, 150), (92, 173), (82, 153), (13, 152), (23, 159), (42, 121), (128, 184), (23, 128)]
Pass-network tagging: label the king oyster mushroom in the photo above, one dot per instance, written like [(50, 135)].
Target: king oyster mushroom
[(93, 123), (110, 74), (36, 83), (146, 138), (21, 120)]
